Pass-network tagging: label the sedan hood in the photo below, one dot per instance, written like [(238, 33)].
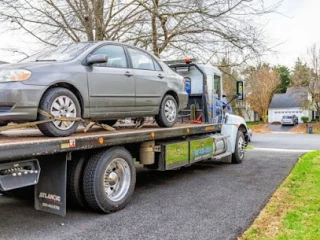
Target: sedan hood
[(27, 65)]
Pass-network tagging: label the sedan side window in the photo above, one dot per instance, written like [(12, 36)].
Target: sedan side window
[(157, 66), (116, 56), (141, 60)]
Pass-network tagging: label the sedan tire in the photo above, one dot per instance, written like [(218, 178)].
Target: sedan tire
[(60, 102), (168, 113)]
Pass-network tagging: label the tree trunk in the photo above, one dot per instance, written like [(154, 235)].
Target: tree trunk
[(99, 19)]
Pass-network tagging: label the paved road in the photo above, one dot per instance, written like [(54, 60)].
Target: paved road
[(206, 201), (286, 141)]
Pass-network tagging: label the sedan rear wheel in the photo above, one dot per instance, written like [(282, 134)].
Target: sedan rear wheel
[(168, 113), (59, 102)]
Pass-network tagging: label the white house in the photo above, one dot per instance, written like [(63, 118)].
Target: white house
[(290, 103)]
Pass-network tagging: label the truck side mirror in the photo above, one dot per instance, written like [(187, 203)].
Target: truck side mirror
[(240, 90)]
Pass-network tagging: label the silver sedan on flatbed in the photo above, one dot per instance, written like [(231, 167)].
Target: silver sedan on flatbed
[(103, 81)]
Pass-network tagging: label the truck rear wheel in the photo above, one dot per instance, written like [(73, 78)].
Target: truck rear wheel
[(75, 195), (109, 180), (240, 147)]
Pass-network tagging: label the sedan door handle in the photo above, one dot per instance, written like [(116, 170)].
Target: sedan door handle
[(128, 74), (160, 76)]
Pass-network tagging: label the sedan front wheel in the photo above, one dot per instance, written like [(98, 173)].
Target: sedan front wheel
[(59, 102)]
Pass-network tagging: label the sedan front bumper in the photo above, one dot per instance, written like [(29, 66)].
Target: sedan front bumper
[(19, 102)]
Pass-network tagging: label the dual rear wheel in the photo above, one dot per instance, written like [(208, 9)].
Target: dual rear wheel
[(104, 183)]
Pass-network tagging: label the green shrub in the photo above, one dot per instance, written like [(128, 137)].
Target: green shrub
[(304, 119)]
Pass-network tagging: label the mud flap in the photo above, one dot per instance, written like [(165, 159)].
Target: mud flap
[(50, 192)]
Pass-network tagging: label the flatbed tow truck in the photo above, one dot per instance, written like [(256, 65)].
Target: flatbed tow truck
[(96, 169)]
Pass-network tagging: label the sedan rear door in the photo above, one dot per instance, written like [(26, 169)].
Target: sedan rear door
[(150, 81)]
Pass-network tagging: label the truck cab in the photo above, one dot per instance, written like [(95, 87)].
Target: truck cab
[(205, 89)]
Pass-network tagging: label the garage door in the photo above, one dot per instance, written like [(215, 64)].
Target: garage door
[(275, 115)]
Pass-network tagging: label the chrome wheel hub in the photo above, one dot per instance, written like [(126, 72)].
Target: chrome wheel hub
[(63, 106), (241, 147), (170, 110), (117, 178)]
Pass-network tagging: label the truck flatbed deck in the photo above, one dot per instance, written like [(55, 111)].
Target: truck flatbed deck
[(17, 144)]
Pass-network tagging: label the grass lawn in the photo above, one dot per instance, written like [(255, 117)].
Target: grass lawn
[(250, 124), (293, 212), (249, 147)]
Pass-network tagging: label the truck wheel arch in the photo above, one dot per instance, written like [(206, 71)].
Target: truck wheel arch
[(231, 130), (243, 129)]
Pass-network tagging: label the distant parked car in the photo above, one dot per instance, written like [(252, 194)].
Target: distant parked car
[(296, 119), (103, 81), (289, 120)]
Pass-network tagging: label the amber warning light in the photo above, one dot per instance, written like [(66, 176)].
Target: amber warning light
[(187, 60)]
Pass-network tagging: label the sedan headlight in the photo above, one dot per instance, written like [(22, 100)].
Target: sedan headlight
[(14, 75)]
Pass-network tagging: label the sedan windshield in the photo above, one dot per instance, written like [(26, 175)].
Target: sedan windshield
[(61, 53)]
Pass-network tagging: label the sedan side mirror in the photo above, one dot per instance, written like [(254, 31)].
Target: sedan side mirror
[(99, 58)]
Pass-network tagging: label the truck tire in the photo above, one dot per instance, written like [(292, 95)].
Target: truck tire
[(109, 180), (239, 151), (168, 112), (109, 122), (75, 195), (60, 102)]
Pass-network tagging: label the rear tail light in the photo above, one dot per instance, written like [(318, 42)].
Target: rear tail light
[(184, 84)]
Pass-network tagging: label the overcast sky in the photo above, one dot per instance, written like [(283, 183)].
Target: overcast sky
[(296, 29)]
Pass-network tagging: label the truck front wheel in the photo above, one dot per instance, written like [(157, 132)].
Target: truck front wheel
[(109, 180), (240, 148)]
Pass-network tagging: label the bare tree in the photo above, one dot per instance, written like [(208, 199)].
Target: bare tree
[(54, 22), (261, 84), (307, 76), (204, 29), (197, 28)]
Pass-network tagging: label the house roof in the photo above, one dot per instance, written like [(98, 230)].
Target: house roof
[(294, 97)]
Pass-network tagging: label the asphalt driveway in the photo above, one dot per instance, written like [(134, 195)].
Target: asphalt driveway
[(205, 201), (279, 128)]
